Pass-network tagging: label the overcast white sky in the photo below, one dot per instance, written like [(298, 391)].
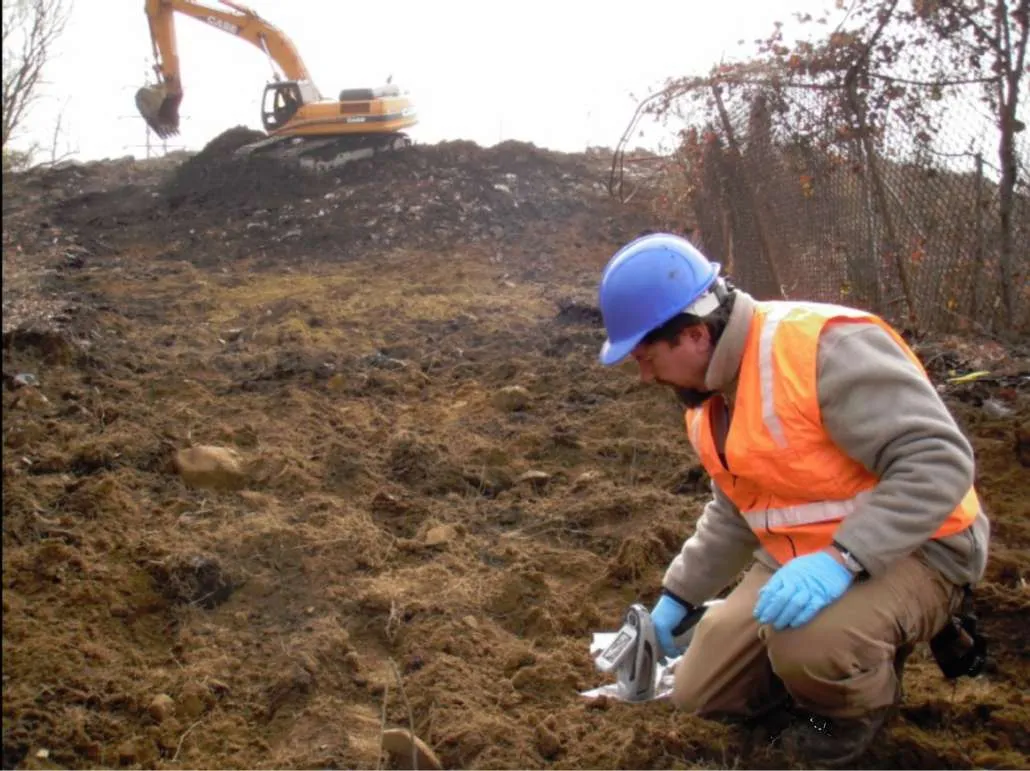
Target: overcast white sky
[(558, 73)]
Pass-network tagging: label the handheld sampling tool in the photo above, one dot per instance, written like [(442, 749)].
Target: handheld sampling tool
[(635, 654)]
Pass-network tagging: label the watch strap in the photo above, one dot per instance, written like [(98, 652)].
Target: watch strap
[(854, 567)]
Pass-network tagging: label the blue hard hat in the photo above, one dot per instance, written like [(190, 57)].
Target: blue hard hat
[(646, 283)]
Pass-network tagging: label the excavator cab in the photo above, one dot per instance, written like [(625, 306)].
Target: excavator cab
[(280, 103)]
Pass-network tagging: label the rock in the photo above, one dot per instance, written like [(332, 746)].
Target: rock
[(587, 478), (403, 747), (441, 534), (511, 398), (535, 479), (162, 707), (217, 468)]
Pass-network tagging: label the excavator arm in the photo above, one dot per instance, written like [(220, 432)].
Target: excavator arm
[(159, 105)]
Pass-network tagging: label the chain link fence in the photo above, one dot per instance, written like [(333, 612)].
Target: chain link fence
[(798, 199)]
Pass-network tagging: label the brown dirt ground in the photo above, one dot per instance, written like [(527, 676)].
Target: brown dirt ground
[(386, 560)]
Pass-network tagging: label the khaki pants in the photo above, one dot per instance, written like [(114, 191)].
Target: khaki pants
[(839, 665)]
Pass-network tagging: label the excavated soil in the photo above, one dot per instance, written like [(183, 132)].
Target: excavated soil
[(435, 494)]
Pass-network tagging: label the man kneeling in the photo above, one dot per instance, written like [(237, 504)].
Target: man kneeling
[(835, 467)]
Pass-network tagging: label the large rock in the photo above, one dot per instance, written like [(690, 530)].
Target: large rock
[(407, 751), (440, 535), (535, 479), (216, 468), (511, 398), (162, 707)]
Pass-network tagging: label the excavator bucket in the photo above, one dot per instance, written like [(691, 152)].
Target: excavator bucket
[(159, 109)]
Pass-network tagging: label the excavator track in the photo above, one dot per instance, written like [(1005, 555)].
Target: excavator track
[(322, 155)]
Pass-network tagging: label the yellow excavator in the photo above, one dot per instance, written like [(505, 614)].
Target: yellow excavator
[(300, 123)]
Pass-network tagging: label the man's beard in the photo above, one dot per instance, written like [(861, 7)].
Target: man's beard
[(688, 397), (691, 398)]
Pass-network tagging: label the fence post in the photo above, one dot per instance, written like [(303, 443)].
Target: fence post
[(976, 272), (752, 202), (871, 272), (881, 201), (892, 233), (1006, 202)]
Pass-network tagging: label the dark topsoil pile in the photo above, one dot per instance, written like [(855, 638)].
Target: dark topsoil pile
[(214, 206), (426, 494)]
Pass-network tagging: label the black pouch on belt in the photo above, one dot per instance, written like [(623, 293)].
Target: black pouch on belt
[(959, 649)]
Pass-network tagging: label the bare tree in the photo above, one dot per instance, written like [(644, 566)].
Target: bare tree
[(30, 29), (873, 95), (56, 154), (1000, 35)]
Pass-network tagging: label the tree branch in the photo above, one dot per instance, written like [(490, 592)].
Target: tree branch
[(37, 24), (1024, 19), (960, 10), (910, 82), (863, 57)]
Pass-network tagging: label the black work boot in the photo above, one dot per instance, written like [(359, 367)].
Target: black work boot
[(766, 724), (838, 742), (774, 719)]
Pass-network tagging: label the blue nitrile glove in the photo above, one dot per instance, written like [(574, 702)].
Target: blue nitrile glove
[(668, 613), (800, 589)]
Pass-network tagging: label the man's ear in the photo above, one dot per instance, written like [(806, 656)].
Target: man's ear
[(696, 335)]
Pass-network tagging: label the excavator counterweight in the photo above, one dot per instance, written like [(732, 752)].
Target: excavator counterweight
[(301, 124)]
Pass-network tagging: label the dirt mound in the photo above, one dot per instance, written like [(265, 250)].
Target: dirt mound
[(214, 177), (225, 144), (514, 199), (439, 496), (425, 196)]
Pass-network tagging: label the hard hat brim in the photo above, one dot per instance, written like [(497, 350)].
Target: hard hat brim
[(614, 353)]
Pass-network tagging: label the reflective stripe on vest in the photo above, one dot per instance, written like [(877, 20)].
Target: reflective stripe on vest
[(805, 513), (767, 373), (694, 431)]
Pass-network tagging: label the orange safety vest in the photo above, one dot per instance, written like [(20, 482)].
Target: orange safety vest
[(789, 480)]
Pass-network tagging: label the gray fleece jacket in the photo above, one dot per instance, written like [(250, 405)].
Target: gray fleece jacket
[(883, 412)]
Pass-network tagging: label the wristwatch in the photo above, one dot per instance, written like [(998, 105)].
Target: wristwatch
[(853, 565)]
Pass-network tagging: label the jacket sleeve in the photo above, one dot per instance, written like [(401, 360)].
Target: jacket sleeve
[(883, 412), (720, 547)]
